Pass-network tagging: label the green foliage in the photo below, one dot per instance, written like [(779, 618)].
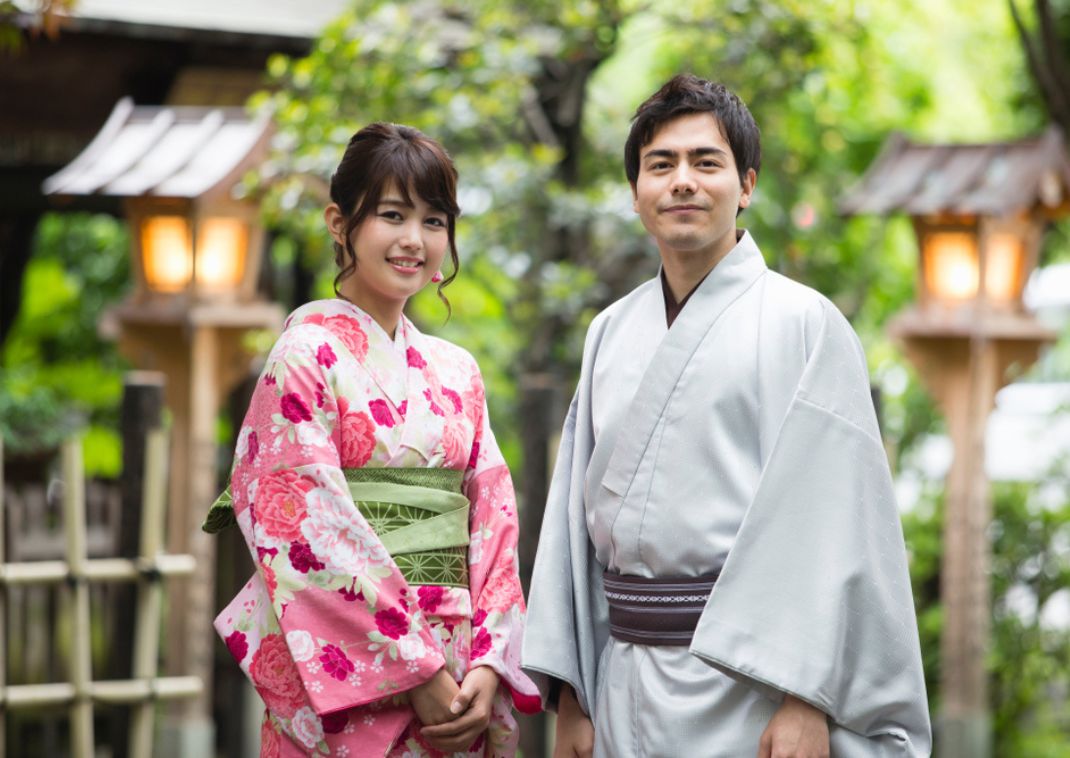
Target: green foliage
[(1029, 662), (534, 101), (58, 373)]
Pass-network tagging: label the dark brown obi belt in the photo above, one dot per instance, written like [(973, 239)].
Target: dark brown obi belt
[(656, 611)]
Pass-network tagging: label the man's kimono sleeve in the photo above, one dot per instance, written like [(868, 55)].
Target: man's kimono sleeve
[(568, 620), (497, 597), (328, 616), (814, 598)]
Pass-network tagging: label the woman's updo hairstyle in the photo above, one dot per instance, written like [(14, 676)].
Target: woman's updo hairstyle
[(381, 154)]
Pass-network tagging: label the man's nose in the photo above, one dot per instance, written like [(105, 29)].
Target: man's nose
[(683, 181)]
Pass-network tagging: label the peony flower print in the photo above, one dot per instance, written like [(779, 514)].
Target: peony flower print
[(237, 645), (302, 646), (336, 534), (307, 728), (270, 740), (414, 358), (275, 676), (357, 436), (481, 644), (303, 559), (325, 356), (411, 647), (381, 413), (336, 662), (294, 409), (454, 398), (350, 333), (280, 503), (392, 623), (430, 596), (456, 443)]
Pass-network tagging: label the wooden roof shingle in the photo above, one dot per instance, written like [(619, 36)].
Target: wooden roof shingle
[(985, 179), (165, 151)]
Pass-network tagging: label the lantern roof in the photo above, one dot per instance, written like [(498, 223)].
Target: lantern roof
[(992, 179), (165, 152)]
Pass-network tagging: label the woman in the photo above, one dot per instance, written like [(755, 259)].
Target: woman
[(378, 508)]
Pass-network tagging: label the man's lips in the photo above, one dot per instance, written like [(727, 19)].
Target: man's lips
[(683, 208)]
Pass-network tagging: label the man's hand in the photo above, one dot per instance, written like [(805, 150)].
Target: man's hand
[(470, 710), (431, 700), (797, 730), (575, 732)]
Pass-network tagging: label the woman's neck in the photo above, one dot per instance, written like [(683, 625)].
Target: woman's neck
[(386, 313)]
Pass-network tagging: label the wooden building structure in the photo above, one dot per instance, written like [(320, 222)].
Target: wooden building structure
[(979, 213)]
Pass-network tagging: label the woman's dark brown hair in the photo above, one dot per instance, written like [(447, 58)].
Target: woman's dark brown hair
[(382, 154)]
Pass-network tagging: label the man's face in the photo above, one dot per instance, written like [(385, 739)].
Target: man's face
[(688, 189)]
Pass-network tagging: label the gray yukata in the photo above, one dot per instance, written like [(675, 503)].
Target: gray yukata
[(742, 440)]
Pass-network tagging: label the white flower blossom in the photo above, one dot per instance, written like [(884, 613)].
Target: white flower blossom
[(311, 435), (411, 647), (302, 646), (307, 727)]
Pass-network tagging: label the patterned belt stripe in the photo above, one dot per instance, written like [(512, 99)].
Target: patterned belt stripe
[(649, 611)]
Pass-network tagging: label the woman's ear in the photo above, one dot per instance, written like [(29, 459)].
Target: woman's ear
[(336, 223)]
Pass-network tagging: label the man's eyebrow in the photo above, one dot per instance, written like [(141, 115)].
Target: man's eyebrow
[(698, 151)]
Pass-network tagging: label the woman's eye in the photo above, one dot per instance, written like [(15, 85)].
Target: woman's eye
[(436, 221), (390, 215)]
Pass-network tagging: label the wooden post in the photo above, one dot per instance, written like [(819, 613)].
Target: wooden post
[(964, 371), (142, 407), (539, 403), (965, 728), (149, 591), (81, 708), (189, 731)]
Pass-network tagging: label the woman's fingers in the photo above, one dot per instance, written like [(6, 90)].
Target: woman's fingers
[(474, 718)]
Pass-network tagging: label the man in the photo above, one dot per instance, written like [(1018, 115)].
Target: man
[(721, 569)]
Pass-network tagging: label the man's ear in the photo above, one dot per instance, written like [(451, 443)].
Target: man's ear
[(749, 182), (336, 223)]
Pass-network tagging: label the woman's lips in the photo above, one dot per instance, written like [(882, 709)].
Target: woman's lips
[(405, 265)]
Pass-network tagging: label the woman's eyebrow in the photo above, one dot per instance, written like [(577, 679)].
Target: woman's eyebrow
[(394, 201)]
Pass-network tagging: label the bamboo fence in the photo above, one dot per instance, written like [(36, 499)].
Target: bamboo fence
[(148, 571)]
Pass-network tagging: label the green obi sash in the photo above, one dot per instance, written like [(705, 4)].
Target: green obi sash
[(419, 514)]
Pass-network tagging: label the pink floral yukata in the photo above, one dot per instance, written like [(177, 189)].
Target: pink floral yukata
[(328, 630)]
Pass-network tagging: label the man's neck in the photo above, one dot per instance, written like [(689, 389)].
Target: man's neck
[(684, 271)]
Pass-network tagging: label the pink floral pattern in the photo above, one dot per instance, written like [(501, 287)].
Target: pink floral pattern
[(282, 503), (328, 629)]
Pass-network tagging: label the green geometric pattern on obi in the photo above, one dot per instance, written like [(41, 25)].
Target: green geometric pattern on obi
[(419, 514), (420, 517)]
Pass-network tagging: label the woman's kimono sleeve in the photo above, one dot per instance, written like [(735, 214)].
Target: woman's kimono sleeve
[(497, 597), (328, 616)]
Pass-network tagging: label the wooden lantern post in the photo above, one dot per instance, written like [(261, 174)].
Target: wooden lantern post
[(196, 258), (979, 214), (965, 334)]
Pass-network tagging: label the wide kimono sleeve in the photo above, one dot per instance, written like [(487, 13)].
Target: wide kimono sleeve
[(814, 598), (329, 617), (497, 598), (568, 618)]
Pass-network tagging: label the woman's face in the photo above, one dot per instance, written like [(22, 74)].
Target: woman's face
[(399, 247)]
